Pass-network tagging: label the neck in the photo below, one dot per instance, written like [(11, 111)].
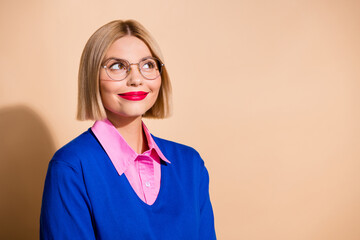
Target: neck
[(131, 130)]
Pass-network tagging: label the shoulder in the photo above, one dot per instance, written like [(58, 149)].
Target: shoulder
[(185, 161), (171, 149), (75, 150), (168, 145)]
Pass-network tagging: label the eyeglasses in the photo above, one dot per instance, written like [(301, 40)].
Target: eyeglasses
[(118, 69)]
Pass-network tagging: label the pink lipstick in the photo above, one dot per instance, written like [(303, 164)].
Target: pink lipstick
[(134, 96)]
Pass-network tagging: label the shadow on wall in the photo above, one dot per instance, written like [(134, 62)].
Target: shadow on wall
[(26, 147)]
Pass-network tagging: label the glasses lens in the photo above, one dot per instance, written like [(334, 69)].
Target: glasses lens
[(150, 68), (117, 69)]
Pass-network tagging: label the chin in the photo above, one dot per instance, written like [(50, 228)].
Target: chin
[(132, 113)]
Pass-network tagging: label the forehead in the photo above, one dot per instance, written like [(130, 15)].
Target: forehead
[(128, 47)]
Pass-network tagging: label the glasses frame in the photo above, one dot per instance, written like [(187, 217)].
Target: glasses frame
[(160, 66)]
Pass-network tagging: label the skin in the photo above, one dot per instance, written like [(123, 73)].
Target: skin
[(124, 114)]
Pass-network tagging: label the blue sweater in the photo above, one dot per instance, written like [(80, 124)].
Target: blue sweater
[(85, 198)]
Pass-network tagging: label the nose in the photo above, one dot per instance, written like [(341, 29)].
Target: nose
[(135, 78)]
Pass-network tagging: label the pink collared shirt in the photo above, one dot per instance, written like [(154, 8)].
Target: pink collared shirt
[(143, 171)]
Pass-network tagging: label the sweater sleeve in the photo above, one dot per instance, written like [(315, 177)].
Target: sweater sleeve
[(65, 210), (207, 228)]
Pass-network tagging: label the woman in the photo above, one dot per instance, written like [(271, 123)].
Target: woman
[(116, 180)]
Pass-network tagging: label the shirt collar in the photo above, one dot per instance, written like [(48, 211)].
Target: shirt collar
[(115, 146)]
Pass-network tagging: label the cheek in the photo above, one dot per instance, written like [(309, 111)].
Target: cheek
[(155, 89), (110, 87), (107, 91), (103, 90), (102, 74), (156, 85)]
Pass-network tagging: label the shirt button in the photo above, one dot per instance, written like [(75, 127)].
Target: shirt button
[(147, 184)]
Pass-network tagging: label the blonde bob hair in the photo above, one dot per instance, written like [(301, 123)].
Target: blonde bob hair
[(90, 106)]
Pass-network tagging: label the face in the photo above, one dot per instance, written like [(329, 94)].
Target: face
[(134, 95)]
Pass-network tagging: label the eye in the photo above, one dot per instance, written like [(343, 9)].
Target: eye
[(149, 64), (117, 66)]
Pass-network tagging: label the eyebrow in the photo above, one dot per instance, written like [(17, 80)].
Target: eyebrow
[(115, 58)]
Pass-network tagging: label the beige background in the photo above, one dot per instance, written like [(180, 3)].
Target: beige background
[(266, 91)]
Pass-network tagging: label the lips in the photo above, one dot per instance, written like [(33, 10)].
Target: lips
[(134, 96)]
